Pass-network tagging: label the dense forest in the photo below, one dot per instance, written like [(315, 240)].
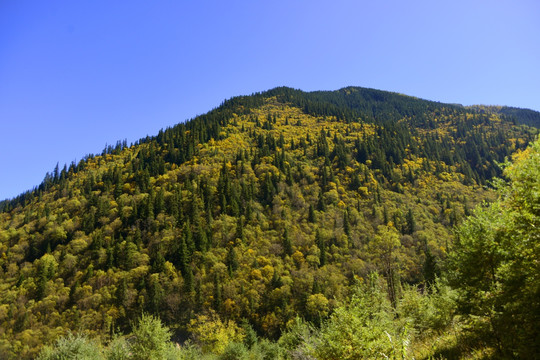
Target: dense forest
[(283, 224)]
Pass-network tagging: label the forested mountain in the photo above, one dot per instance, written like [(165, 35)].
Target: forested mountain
[(518, 115), (271, 208)]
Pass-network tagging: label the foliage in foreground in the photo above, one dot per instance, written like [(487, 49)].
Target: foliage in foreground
[(496, 262), (367, 327)]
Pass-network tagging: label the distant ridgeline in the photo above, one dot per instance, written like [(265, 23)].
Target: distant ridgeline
[(351, 104), (269, 207), (519, 116)]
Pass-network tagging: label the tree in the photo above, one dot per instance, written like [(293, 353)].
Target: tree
[(317, 308), (287, 244), (72, 347), (231, 260), (151, 339), (385, 248), (319, 241), (214, 335), (311, 214), (362, 329), (411, 223), (495, 262)]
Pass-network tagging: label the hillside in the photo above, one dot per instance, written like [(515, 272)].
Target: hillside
[(269, 207), (518, 115)]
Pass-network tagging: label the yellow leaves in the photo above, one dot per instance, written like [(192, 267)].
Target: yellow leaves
[(413, 164), (445, 176), (520, 155), (263, 261), (256, 274), (298, 258), (78, 245), (317, 306), (4, 308), (266, 168), (331, 196), (219, 269), (170, 270), (229, 306), (55, 232), (139, 271), (363, 191), (127, 211), (128, 188), (72, 205), (116, 224), (268, 272), (385, 242), (213, 334), (48, 263), (271, 323)]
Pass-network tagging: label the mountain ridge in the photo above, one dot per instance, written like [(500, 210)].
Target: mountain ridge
[(268, 207), (520, 116)]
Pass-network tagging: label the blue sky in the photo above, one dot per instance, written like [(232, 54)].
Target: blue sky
[(75, 75)]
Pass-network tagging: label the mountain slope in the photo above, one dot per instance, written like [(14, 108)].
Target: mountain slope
[(249, 211), (519, 116)]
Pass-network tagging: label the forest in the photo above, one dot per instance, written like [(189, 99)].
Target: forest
[(348, 224)]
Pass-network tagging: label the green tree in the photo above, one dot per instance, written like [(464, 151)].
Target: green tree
[(362, 329), (495, 262), (231, 260), (72, 347), (311, 214), (287, 244), (385, 248), (151, 339)]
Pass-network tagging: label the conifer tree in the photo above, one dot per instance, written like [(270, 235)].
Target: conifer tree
[(231, 260), (311, 214), (287, 245)]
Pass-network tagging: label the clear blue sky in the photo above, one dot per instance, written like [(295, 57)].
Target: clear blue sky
[(75, 75)]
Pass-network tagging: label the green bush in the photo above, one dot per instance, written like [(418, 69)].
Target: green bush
[(265, 350), (72, 347), (234, 351), (429, 311), (118, 349), (363, 329), (151, 339)]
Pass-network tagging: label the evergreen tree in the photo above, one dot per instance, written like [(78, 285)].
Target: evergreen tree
[(287, 244), (311, 214), (231, 260), (322, 248)]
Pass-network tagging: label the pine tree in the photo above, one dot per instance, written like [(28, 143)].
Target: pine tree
[(346, 224), (411, 223), (322, 247), (321, 206), (311, 214), (218, 300), (287, 245), (188, 280), (231, 260)]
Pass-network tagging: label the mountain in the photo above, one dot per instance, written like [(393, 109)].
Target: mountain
[(269, 207), (518, 115)]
